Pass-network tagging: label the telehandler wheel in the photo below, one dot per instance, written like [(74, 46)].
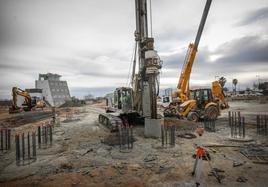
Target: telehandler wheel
[(193, 116), (211, 113)]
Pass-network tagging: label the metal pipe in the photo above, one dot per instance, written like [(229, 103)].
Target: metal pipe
[(6, 137), (131, 136), (162, 135), (166, 134), (258, 124), (2, 146), (235, 125), (34, 144), (29, 146), (266, 119), (232, 126), (50, 134), (120, 135), (9, 138), (239, 123), (17, 147), (39, 136), (244, 130), (229, 118), (23, 146), (45, 128)]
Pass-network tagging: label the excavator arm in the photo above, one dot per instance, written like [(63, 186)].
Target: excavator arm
[(27, 99)]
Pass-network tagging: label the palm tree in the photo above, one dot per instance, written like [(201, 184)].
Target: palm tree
[(222, 81), (235, 81)]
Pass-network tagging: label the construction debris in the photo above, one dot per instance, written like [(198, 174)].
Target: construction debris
[(241, 179), (255, 153), (187, 135), (236, 164)]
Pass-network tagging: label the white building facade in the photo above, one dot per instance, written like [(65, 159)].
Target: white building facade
[(54, 90)]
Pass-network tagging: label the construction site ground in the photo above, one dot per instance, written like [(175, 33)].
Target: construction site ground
[(83, 154)]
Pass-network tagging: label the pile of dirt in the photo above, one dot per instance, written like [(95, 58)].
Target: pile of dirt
[(25, 118), (73, 103)]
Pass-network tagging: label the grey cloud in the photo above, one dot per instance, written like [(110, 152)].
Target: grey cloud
[(244, 51), (239, 55), (255, 16), (176, 60)]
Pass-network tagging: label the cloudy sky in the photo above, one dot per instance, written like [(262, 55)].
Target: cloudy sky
[(90, 42)]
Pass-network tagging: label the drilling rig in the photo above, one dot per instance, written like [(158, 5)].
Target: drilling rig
[(139, 101)]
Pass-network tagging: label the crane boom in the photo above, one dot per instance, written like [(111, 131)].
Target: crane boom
[(183, 84), (202, 23)]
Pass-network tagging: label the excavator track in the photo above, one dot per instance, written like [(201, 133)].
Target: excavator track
[(110, 121)]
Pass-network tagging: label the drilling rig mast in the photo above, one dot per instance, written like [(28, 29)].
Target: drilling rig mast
[(140, 101), (146, 82)]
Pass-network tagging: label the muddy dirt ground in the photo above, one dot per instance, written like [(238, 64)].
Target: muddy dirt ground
[(80, 155)]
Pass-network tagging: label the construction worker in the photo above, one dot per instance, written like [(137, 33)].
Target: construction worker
[(125, 101)]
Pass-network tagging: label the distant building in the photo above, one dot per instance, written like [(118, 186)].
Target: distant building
[(54, 90)]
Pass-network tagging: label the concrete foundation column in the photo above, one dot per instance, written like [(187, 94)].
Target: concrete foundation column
[(152, 128)]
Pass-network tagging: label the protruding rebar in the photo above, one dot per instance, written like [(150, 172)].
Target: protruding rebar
[(39, 136), (34, 144), (17, 142), (244, 130), (131, 136), (28, 145), (23, 146), (50, 134), (2, 139), (9, 138)]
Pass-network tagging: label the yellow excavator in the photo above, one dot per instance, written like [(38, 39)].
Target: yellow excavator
[(198, 103), (28, 103)]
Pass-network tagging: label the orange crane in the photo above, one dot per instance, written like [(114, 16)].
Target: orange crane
[(201, 102)]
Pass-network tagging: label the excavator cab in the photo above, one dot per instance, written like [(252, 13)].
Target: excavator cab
[(202, 96), (120, 100)]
